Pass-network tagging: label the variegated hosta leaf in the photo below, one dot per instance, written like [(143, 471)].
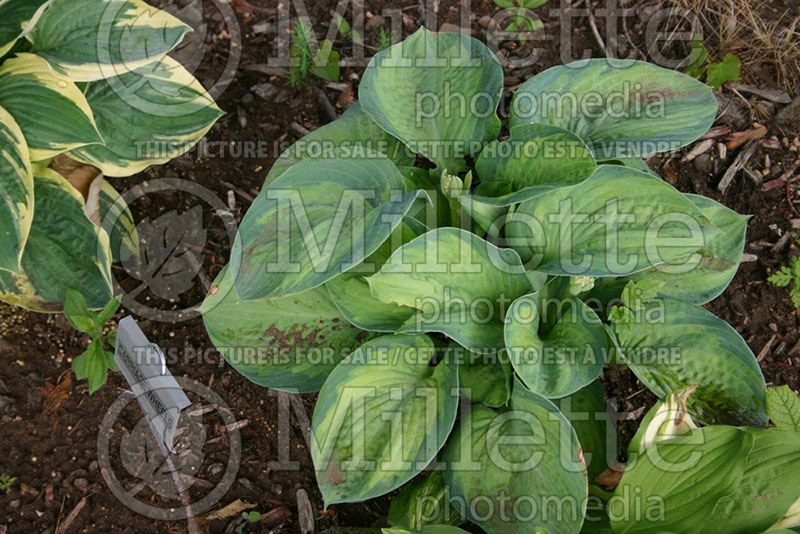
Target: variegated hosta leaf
[(16, 193), (320, 218), (351, 294), (437, 93), (458, 283), (705, 277), (381, 417), (354, 131), (147, 117), (64, 250), (17, 17), (427, 529), (618, 222), (586, 411), (536, 159), (621, 108), (51, 112), (675, 484), (518, 470), (557, 344), (88, 40), (667, 419), (423, 502), (674, 345), (485, 379), (107, 209), (290, 343), (768, 488)]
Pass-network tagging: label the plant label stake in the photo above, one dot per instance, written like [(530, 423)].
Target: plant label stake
[(143, 365)]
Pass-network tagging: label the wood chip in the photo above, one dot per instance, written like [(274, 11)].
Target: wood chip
[(700, 148), (773, 95), (297, 130), (715, 132), (305, 514), (763, 353), (740, 161), (740, 138)]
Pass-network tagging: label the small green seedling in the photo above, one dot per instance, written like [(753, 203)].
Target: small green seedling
[(95, 361), (6, 482), (385, 39), (347, 31), (717, 74), (249, 517), (786, 275), (305, 63), (523, 19)]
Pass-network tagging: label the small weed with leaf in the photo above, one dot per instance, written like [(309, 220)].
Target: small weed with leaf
[(788, 274), (522, 20), (385, 39), (249, 517), (717, 74), (95, 361), (6, 481)]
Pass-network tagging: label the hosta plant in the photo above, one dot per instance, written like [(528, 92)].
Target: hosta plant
[(454, 290), (83, 82)]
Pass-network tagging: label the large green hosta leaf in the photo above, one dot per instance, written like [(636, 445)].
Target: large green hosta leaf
[(536, 159), (381, 417), (556, 344), (674, 344), (320, 218), (438, 93), (675, 484), (89, 40), (714, 265), (621, 108), (517, 470), (458, 283), (146, 117), (289, 343), (351, 294), (115, 217), (586, 411), (64, 250), (423, 502), (353, 131), (485, 378), (17, 17), (618, 222), (51, 112), (767, 489), (16, 193)]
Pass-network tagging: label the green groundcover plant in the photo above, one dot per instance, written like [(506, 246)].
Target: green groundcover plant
[(454, 291), (89, 79)]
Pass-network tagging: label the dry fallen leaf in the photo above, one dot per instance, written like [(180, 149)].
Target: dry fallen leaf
[(235, 508), (59, 394)]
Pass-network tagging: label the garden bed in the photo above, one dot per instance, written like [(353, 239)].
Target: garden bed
[(50, 425)]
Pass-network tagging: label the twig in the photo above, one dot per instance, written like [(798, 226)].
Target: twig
[(595, 31), (244, 194), (71, 517), (327, 107), (740, 161), (297, 130)]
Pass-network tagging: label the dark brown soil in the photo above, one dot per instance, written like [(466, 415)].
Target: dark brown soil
[(49, 436)]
